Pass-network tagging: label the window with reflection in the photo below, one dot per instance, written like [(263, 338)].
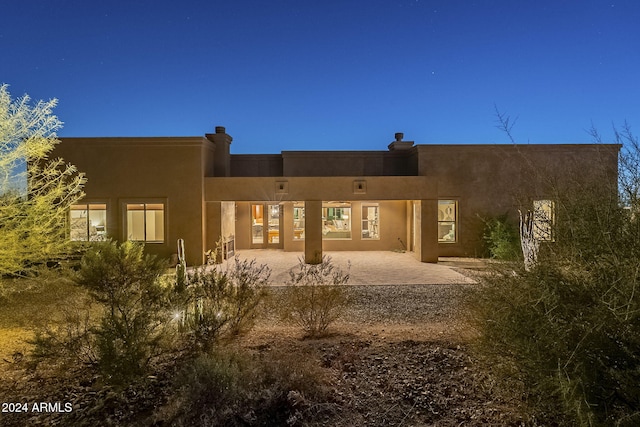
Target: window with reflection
[(145, 222), (447, 221), (298, 221), (370, 221), (88, 222), (543, 220), (336, 220)]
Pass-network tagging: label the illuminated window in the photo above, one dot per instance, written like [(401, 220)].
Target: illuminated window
[(336, 220), (298, 221), (543, 220), (447, 220), (145, 222), (88, 222), (370, 221)]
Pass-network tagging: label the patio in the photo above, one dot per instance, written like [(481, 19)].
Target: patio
[(367, 268)]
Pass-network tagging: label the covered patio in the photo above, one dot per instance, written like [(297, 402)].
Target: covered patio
[(367, 267)]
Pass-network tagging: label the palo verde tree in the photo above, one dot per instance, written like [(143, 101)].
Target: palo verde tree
[(35, 191)]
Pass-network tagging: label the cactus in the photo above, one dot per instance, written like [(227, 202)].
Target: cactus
[(182, 279)]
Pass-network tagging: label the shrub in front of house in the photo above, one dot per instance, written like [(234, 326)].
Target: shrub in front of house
[(222, 301), (315, 296), (231, 388), (135, 323), (502, 239), (564, 337)]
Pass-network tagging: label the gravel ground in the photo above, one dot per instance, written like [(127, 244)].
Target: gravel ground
[(398, 357)]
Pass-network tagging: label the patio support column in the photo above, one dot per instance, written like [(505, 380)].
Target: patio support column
[(313, 231), (213, 226), (429, 231)]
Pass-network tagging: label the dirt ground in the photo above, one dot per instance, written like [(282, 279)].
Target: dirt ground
[(398, 357)]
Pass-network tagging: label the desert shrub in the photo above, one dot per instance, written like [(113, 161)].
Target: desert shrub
[(54, 314), (566, 333), (212, 380), (248, 288), (502, 239), (223, 300), (315, 296), (230, 388), (133, 327), (68, 341)]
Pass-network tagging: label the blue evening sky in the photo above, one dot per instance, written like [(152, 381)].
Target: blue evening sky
[(328, 74)]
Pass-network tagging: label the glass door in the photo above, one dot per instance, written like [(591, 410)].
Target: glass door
[(257, 225), (266, 223), (273, 234)]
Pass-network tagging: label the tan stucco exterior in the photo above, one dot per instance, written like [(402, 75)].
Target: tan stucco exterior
[(208, 193)]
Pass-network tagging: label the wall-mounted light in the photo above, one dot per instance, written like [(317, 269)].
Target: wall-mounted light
[(282, 187)]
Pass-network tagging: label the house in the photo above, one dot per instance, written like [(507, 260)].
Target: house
[(427, 199)]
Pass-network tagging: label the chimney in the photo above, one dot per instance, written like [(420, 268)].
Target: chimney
[(222, 156), (399, 144)]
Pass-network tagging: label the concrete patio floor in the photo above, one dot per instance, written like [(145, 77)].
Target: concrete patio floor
[(367, 268)]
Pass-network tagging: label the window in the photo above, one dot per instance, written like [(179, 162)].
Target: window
[(274, 224), (257, 224), (298, 221), (370, 221), (88, 222), (145, 222), (447, 220), (543, 220), (336, 220)]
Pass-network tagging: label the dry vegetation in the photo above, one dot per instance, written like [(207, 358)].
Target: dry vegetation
[(399, 356)]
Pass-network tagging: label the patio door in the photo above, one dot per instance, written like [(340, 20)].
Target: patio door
[(266, 226)]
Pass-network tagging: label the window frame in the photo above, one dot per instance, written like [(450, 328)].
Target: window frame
[(87, 232), (540, 217), (299, 207), (376, 221), (145, 203), (326, 227), (454, 222)]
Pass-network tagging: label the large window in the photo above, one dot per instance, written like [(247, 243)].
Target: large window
[(543, 220), (145, 222), (370, 221), (88, 222), (336, 220), (447, 221), (298, 221)]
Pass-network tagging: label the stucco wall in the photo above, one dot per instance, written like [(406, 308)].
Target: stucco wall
[(256, 165), (135, 170), (347, 163), (492, 180)]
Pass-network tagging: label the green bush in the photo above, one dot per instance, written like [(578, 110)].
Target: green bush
[(315, 296), (127, 284), (502, 239), (567, 333)]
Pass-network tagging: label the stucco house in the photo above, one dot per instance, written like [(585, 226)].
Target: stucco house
[(427, 199)]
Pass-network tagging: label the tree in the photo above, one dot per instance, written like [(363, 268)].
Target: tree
[(35, 191), (629, 164), (563, 334)]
